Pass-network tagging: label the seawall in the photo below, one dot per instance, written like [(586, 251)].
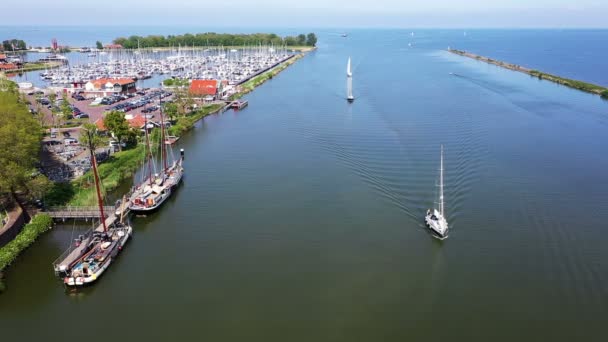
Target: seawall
[(575, 84)]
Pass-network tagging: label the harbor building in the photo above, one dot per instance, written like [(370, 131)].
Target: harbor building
[(109, 86)]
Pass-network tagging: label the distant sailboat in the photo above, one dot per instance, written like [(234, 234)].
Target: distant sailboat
[(435, 218), (349, 83)]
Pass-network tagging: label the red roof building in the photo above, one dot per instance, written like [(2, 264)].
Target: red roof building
[(113, 46), (118, 85), (203, 87), (100, 126), (138, 122), (8, 66)]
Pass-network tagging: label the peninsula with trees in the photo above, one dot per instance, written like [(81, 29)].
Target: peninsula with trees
[(216, 39)]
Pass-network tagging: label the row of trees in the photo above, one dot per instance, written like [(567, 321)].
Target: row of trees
[(216, 39), (13, 45), (20, 136)]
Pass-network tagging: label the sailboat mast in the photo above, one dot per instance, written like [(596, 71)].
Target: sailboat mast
[(97, 186), (163, 154), (148, 150), (441, 183)]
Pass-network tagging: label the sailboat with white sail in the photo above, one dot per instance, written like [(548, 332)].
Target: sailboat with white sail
[(349, 83), (435, 218)]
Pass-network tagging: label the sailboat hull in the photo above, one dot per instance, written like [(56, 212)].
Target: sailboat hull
[(79, 281)]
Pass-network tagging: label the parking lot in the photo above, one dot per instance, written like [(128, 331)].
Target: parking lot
[(89, 110)]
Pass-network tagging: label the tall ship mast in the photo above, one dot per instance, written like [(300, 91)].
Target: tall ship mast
[(85, 261), (154, 190), (435, 218)]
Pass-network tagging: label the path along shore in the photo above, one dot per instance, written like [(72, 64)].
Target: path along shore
[(580, 85)]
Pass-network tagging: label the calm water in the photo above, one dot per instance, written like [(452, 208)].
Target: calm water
[(300, 218)]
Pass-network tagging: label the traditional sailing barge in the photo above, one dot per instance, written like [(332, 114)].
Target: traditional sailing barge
[(85, 261), (154, 190)]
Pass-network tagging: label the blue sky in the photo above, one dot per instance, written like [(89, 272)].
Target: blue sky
[(314, 13)]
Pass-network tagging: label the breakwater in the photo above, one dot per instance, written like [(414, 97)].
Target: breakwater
[(575, 84)]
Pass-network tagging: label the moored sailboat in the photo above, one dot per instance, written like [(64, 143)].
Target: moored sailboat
[(435, 218), (85, 261), (149, 195)]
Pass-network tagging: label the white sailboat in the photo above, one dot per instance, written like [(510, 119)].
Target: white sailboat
[(435, 218), (349, 83)]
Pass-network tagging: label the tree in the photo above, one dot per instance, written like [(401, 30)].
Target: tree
[(90, 136), (311, 39), (183, 100), (116, 123), (301, 39), (99, 45), (20, 136), (13, 44), (66, 109), (170, 109)]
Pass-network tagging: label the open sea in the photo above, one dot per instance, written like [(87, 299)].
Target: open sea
[(300, 218)]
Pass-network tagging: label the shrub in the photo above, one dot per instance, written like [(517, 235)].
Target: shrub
[(38, 225)]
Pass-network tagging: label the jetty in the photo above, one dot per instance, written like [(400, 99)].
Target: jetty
[(76, 213), (575, 84)]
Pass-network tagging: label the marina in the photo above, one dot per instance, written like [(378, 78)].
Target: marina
[(232, 65)]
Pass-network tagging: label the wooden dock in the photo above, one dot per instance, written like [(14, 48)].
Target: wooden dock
[(78, 213)]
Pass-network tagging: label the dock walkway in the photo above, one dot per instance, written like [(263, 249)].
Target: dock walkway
[(81, 213)]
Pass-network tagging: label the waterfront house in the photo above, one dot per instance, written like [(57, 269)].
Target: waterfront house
[(113, 46), (7, 66), (204, 88), (109, 86), (101, 127)]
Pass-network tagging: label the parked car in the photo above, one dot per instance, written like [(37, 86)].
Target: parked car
[(66, 134), (82, 116), (70, 141), (79, 98)]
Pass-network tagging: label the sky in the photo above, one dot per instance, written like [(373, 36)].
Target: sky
[(313, 13)]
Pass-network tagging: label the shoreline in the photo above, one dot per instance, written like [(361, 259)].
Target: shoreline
[(570, 83), (33, 67), (300, 48), (82, 192)]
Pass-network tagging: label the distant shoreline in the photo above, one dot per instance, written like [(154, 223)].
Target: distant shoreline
[(574, 84)]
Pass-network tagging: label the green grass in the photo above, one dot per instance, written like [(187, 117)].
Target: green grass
[(118, 168), (580, 85), (260, 79), (38, 225), (81, 192), (35, 66), (185, 123)]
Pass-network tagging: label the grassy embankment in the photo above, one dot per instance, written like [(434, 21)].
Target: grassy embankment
[(38, 225), (119, 168), (260, 79), (575, 84), (81, 192), (35, 66), (580, 85)]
